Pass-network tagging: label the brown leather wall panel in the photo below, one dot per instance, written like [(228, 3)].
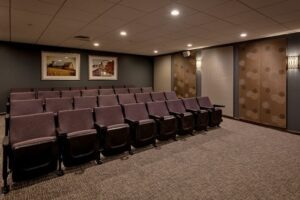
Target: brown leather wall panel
[(262, 82), (184, 75)]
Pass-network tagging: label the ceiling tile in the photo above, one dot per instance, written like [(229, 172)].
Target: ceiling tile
[(90, 6), (197, 19), (227, 9), (260, 3), (61, 29), (27, 26), (201, 4), (105, 21), (145, 5), (281, 8), (75, 14), (246, 17), (123, 13), (36, 6)]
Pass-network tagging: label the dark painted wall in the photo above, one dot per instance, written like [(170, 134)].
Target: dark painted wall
[(20, 66), (293, 88)]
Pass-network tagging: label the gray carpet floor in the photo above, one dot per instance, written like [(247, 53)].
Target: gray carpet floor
[(237, 161)]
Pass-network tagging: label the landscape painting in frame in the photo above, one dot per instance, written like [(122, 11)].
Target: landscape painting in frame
[(60, 66), (103, 68)]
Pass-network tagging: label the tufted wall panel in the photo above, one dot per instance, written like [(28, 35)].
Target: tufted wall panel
[(262, 82)]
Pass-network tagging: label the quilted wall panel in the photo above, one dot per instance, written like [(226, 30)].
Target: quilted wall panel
[(262, 82), (184, 75)]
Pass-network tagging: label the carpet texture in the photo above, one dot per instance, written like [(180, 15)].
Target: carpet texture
[(237, 161)]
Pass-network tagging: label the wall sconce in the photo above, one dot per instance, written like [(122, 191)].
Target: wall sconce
[(293, 62)]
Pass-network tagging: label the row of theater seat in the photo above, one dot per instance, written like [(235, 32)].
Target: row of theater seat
[(37, 141), (14, 90), (72, 93)]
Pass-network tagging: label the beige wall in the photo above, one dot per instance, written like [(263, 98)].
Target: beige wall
[(162, 73), (217, 77)]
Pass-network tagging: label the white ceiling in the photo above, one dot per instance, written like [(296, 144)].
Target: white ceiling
[(147, 22)]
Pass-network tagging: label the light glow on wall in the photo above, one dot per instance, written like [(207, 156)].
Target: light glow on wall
[(293, 62)]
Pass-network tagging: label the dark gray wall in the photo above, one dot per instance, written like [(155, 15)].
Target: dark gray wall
[(293, 86), (21, 67)]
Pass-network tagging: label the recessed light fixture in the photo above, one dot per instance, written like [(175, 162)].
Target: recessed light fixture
[(189, 45), (243, 35), (175, 12), (96, 44), (155, 51), (123, 33)]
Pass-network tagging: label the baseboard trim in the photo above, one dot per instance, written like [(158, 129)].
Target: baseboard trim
[(263, 125)]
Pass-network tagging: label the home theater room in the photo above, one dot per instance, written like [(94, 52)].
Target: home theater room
[(150, 99)]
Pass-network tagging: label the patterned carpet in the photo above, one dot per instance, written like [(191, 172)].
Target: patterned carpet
[(238, 161)]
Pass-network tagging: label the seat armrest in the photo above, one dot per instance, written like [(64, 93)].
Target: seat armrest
[(219, 106), (156, 117), (60, 133), (5, 142), (131, 122), (100, 127), (192, 111), (206, 108), (177, 114)]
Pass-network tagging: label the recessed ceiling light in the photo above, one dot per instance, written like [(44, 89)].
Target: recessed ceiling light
[(189, 45), (175, 12), (96, 44), (243, 35), (123, 33), (155, 51)]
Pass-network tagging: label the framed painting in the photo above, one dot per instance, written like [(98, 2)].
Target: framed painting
[(60, 66), (103, 68)]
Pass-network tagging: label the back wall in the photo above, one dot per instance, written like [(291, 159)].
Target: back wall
[(21, 67)]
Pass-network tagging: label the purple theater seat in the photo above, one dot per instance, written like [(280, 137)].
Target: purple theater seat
[(105, 87), (114, 132), (106, 91), (26, 107), (143, 97), (147, 89), (126, 98), (42, 89), (57, 104), (78, 136), (119, 86), (77, 88), (14, 90), (22, 96), (200, 116), (61, 88), (121, 90), (135, 90), (70, 93), (90, 92), (143, 129), (158, 96), (171, 96), (185, 119), (31, 147), (215, 114), (107, 100), (85, 102), (166, 123), (48, 94)]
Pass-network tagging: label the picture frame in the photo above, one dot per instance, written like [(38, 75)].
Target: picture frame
[(60, 66), (103, 68)]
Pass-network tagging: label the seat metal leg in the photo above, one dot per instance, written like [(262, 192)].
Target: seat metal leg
[(5, 187)]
